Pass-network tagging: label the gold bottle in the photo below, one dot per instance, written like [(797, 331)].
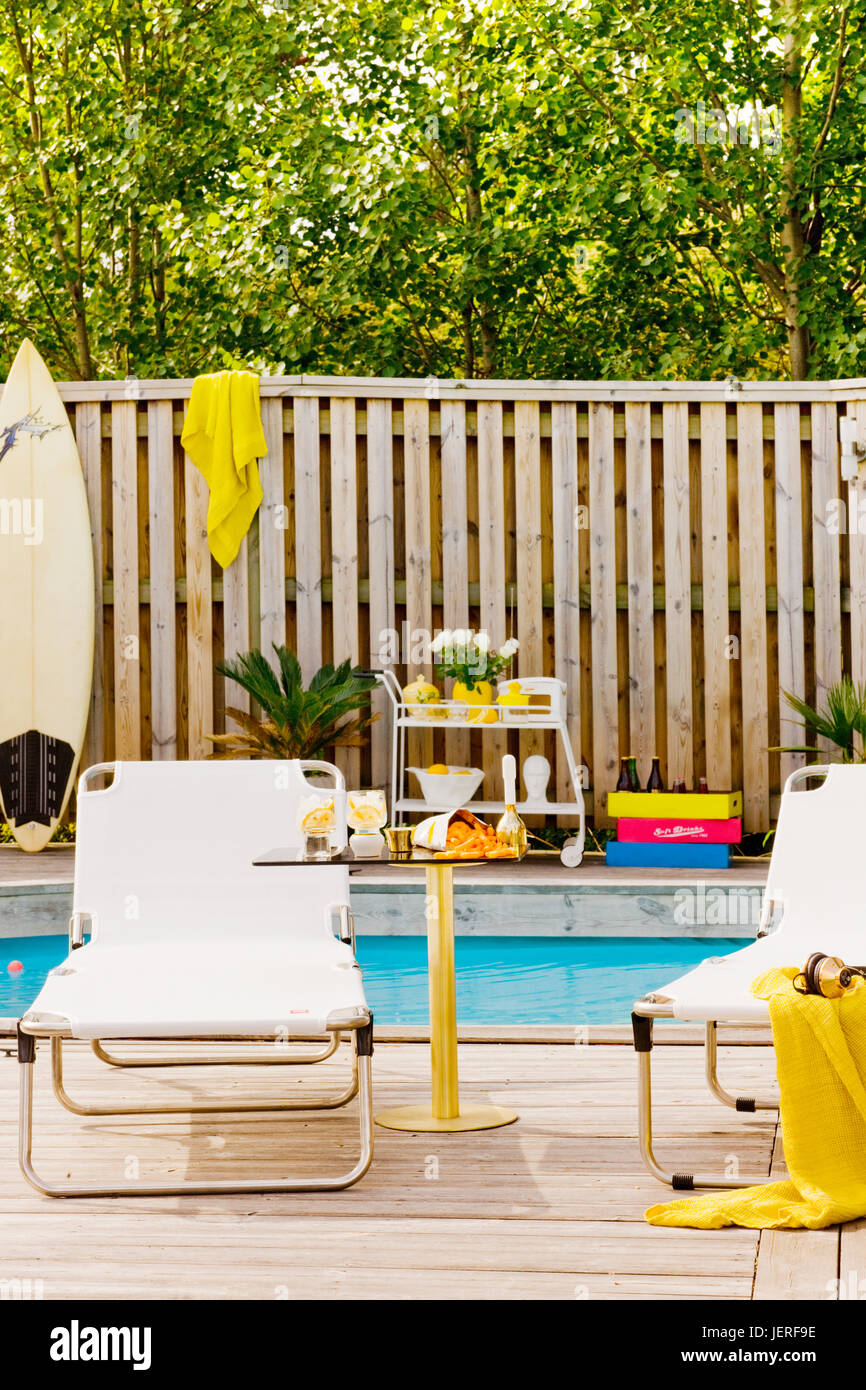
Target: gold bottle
[(510, 828)]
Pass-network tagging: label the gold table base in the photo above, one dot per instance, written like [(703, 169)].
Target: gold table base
[(421, 1118), (445, 1113)]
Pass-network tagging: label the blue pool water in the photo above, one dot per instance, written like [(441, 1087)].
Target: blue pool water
[(500, 979)]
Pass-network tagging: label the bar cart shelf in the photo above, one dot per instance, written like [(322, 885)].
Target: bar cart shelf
[(448, 715)]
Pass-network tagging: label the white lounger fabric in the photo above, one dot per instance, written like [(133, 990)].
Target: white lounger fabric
[(816, 879), (189, 939), (718, 988), (180, 990)]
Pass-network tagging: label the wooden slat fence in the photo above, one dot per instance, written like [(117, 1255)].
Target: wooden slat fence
[(671, 551)]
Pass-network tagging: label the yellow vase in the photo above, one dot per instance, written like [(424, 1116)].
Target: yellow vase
[(481, 693)]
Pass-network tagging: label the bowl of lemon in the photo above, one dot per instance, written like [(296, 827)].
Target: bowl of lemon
[(446, 788)]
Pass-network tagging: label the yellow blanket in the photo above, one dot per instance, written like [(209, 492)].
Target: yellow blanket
[(821, 1062), (223, 436)]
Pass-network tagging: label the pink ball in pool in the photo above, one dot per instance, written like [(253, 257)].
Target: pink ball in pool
[(15, 967)]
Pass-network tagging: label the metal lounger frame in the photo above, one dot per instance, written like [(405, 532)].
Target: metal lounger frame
[(237, 1059), (647, 1010), (361, 1085), (645, 1013)]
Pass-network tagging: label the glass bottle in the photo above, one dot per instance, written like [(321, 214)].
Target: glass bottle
[(510, 827), (655, 783), (623, 782), (702, 784), (633, 779), (679, 785)]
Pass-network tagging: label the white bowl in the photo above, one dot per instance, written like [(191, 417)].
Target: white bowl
[(450, 790)]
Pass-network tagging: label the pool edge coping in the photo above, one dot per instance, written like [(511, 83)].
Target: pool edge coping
[(578, 1035)]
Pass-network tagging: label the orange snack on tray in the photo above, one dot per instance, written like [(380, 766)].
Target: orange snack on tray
[(458, 833), (468, 838)]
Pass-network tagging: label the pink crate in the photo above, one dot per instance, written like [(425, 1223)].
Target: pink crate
[(632, 830)]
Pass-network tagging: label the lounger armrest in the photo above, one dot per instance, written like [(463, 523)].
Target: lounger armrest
[(768, 912), (96, 770), (347, 921), (76, 929), (802, 774), (316, 765)]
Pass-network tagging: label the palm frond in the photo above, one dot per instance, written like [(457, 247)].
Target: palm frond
[(291, 677), (840, 723), (255, 674), (334, 710)]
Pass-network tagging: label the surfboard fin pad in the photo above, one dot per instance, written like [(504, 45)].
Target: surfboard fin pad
[(34, 774)]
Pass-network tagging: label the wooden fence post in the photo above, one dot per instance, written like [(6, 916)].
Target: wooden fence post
[(127, 661)]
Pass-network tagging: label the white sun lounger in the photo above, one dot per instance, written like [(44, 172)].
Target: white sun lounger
[(190, 941), (814, 901)]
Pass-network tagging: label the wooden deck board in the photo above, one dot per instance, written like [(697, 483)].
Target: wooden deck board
[(796, 1265), (548, 1208), (56, 866)]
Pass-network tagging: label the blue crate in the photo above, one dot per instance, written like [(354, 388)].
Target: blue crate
[(649, 856)]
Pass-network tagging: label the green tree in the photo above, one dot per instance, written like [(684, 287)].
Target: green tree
[(499, 188), (120, 154), (767, 226)]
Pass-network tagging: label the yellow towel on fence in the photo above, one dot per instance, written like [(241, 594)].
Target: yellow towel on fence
[(223, 436), (821, 1063)]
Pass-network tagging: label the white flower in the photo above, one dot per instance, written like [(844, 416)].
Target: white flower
[(509, 648), (461, 637), (482, 642), (442, 639)]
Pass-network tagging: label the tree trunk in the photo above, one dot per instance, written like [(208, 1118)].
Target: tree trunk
[(484, 310), (134, 280), (793, 239), (468, 344), (158, 287)]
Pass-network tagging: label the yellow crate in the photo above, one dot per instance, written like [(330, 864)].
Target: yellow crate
[(676, 805)]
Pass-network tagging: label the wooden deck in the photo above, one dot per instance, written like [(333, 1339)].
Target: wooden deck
[(548, 1208), (56, 866)]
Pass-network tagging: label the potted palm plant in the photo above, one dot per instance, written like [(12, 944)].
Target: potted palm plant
[(296, 721), (842, 723)]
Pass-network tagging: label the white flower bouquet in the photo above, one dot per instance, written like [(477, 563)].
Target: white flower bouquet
[(469, 657)]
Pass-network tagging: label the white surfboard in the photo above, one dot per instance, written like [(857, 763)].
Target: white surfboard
[(46, 603)]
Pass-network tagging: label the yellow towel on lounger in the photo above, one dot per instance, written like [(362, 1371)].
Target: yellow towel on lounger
[(223, 436), (821, 1064)]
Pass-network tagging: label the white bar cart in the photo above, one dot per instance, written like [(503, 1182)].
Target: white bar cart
[(545, 710)]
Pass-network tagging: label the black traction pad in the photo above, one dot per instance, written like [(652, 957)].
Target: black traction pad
[(34, 772)]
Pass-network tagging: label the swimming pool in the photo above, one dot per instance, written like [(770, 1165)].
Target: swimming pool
[(500, 980)]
